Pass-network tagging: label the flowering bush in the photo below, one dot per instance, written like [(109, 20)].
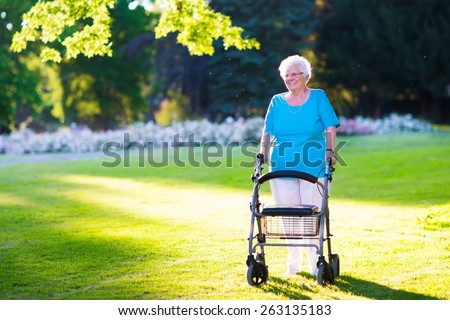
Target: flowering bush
[(78, 140), (394, 123)]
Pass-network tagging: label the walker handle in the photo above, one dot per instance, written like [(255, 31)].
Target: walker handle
[(258, 167), (260, 156), (330, 164), (287, 174)]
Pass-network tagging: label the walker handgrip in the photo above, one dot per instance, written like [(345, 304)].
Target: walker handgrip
[(330, 164), (287, 174), (260, 156)]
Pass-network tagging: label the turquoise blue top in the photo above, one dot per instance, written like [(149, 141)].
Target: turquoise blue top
[(298, 132)]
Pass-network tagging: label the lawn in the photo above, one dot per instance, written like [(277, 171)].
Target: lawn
[(75, 229)]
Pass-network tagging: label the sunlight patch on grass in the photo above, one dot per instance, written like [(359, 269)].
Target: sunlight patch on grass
[(388, 241), (9, 199), (436, 218), (141, 213), (154, 199)]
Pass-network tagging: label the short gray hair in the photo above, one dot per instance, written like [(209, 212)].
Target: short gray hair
[(296, 61)]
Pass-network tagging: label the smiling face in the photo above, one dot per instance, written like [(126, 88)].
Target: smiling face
[(296, 72), (294, 79)]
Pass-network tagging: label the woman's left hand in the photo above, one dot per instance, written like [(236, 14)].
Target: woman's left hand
[(330, 154)]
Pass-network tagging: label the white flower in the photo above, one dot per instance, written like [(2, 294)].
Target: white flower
[(82, 139)]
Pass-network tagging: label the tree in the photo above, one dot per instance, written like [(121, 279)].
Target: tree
[(384, 50), (104, 92), (243, 82), (52, 22), (181, 72), (19, 86), (175, 74), (233, 82)]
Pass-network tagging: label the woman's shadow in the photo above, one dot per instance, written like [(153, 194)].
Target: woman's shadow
[(346, 284)]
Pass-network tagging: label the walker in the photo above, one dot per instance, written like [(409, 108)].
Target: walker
[(289, 222)]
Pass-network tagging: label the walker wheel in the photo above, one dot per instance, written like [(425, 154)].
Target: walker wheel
[(257, 274), (325, 275), (336, 265)]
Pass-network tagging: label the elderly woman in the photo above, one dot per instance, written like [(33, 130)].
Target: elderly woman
[(303, 125)]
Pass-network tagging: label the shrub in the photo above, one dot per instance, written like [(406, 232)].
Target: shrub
[(393, 123), (81, 139)]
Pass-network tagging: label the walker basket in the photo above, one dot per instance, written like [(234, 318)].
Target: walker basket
[(289, 227)]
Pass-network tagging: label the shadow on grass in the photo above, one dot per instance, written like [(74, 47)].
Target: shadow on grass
[(372, 290), (346, 284), (64, 248), (282, 287)]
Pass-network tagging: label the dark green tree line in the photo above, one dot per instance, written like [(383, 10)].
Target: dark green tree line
[(385, 50), (366, 54)]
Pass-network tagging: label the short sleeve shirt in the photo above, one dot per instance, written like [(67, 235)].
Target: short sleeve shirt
[(297, 132)]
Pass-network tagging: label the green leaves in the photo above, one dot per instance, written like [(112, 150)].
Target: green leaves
[(198, 25), (48, 21), (55, 21)]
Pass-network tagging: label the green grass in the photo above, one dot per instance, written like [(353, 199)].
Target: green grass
[(77, 230)]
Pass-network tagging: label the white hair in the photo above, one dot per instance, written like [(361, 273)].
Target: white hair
[(296, 61)]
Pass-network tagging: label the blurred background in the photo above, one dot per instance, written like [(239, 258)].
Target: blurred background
[(372, 57)]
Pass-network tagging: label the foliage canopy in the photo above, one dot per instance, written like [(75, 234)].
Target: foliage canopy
[(53, 22)]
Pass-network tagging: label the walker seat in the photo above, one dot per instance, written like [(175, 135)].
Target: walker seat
[(289, 210)]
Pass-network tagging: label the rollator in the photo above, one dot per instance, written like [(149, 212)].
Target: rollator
[(290, 222)]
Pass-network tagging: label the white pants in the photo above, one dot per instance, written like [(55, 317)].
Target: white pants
[(295, 191)]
